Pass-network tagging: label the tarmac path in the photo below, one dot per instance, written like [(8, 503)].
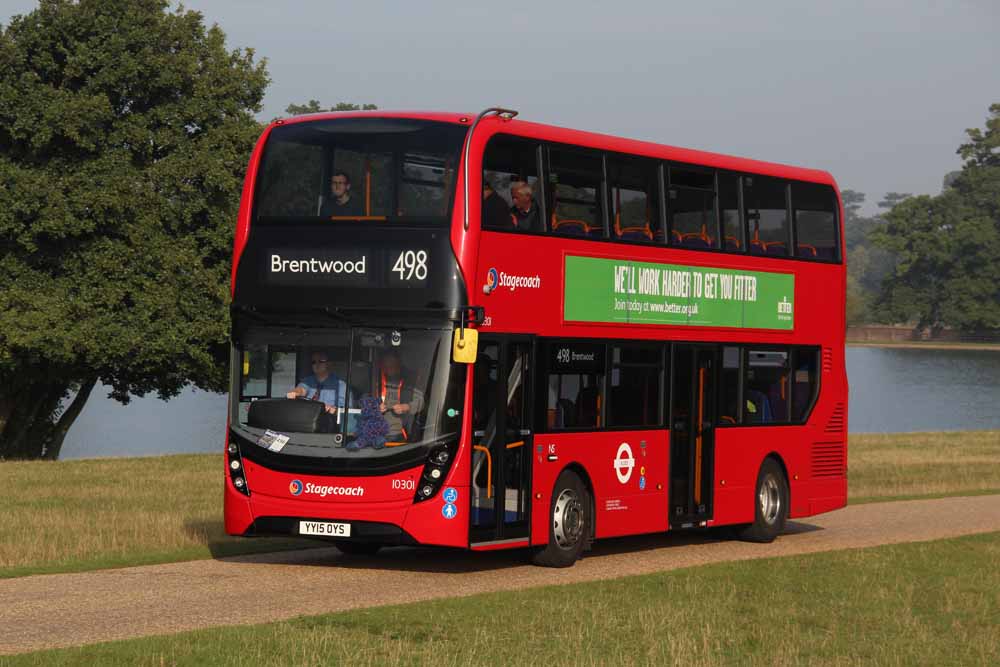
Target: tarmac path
[(50, 611)]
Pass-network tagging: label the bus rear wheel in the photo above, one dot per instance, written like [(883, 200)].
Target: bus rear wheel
[(357, 548), (569, 523), (770, 505)]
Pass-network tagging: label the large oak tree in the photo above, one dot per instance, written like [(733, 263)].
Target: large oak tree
[(125, 129), (948, 246)]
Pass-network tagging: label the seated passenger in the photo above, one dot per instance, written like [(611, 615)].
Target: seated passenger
[(496, 212), (340, 202), (524, 213), (399, 400), (322, 385)]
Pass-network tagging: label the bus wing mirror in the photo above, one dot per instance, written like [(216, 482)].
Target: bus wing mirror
[(465, 345)]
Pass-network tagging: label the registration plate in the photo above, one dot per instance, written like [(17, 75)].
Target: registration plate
[(324, 528)]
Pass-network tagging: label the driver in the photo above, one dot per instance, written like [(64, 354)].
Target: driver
[(322, 385)]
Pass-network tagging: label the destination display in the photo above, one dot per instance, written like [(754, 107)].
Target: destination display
[(347, 267), (623, 291)]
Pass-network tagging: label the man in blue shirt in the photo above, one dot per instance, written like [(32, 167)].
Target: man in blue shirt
[(322, 385)]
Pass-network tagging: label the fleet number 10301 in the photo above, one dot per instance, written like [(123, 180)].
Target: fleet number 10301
[(404, 484)]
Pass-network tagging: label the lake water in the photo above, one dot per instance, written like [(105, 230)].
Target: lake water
[(892, 390)]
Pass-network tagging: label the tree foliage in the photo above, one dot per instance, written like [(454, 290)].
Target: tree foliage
[(948, 246), (867, 264), (125, 129), (313, 106)]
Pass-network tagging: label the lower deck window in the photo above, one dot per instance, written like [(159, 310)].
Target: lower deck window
[(766, 391)]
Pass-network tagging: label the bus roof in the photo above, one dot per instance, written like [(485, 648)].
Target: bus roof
[(593, 140)]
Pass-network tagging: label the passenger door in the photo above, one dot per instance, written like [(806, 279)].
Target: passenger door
[(692, 435), (502, 441)]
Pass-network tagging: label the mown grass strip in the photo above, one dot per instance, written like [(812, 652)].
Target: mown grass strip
[(885, 466), (69, 516), (930, 603)]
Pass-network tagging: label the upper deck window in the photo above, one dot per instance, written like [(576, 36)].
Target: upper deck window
[(691, 208), (511, 197), (766, 204), (634, 197), (359, 169), (814, 209), (575, 183)]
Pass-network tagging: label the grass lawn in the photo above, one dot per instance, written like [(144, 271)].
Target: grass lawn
[(69, 516), (66, 516), (921, 465), (931, 603), (926, 345)]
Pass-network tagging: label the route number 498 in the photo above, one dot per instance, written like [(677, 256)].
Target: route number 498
[(411, 264)]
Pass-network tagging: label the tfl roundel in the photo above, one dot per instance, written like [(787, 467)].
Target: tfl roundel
[(295, 488)]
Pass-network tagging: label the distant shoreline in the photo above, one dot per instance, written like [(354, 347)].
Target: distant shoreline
[(929, 345)]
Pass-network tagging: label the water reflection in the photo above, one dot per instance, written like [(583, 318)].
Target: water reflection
[(892, 390)]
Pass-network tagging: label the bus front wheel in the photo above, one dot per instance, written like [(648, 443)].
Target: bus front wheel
[(770, 504), (569, 522)]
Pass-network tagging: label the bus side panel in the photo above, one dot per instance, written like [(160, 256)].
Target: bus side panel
[(736, 465), (740, 453), (428, 524), (628, 470), (237, 512)]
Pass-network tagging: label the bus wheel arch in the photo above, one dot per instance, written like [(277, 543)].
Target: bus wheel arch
[(771, 499), (569, 520), (784, 470)]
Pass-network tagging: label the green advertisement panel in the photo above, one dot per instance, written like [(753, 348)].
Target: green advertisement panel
[(623, 291)]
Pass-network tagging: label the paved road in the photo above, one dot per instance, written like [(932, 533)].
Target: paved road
[(49, 611)]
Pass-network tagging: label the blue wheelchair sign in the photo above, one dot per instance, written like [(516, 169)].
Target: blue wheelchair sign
[(450, 494)]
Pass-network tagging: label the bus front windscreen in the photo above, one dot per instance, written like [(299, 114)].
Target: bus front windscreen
[(381, 169), (362, 392)]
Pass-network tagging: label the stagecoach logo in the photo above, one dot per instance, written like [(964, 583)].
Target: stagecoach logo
[(624, 463), (297, 488), (496, 279)]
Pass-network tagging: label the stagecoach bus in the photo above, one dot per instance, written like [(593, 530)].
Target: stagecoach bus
[(480, 332)]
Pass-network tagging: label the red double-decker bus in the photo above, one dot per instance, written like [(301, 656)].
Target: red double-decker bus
[(487, 333)]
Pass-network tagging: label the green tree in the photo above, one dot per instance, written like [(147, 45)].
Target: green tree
[(867, 265), (891, 199), (313, 106), (125, 129), (948, 246)]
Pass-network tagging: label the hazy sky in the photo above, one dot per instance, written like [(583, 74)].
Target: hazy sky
[(879, 92)]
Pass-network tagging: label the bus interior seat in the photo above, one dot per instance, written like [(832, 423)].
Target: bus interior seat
[(568, 227), (777, 398), (588, 407), (732, 243), (805, 250), (632, 232), (775, 248), (565, 413), (761, 412)]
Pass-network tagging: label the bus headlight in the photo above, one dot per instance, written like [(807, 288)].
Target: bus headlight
[(435, 470)]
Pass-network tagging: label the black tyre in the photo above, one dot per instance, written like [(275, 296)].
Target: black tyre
[(569, 523), (357, 548), (770, 505)]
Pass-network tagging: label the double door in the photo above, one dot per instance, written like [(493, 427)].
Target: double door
[(692, 435), (502, 441)]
